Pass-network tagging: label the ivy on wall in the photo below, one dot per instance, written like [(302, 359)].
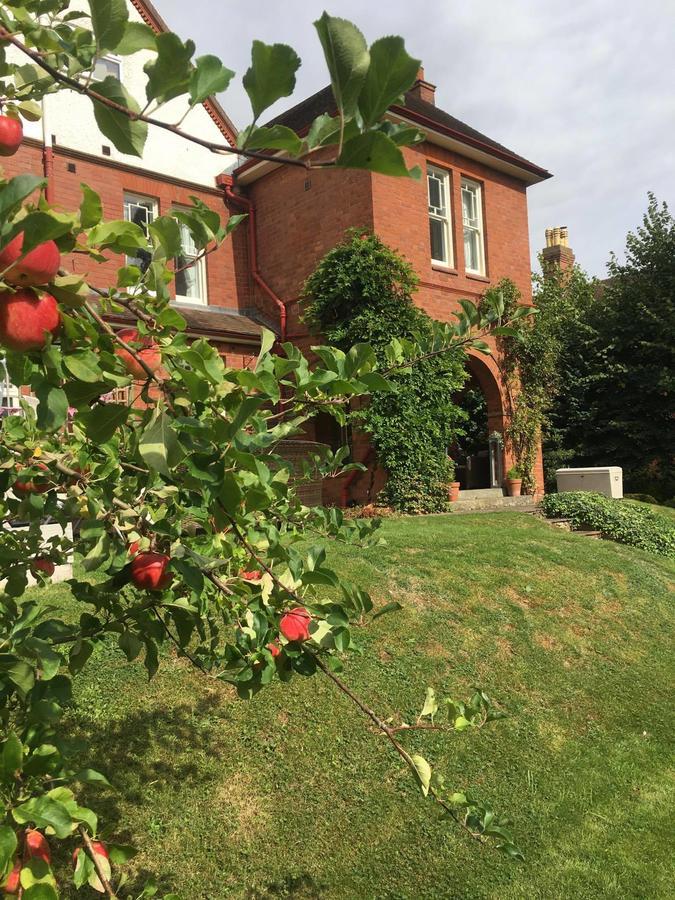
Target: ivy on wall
[(361, 291)]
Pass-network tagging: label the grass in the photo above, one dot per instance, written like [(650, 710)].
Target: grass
[(292, 795)]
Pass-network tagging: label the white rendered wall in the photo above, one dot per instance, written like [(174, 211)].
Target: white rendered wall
[(70, 118)]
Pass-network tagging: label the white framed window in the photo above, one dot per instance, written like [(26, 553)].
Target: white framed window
[(141, 211), (190, 268), (9, 393), (472, 218), (440, 231), (107, 65)]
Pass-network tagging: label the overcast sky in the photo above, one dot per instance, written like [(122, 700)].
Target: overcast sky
[(584, 88)]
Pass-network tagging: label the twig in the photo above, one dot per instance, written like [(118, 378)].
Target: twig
[(82, 88), (107, 887)]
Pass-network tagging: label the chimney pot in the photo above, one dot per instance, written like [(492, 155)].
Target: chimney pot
[(557, 252)]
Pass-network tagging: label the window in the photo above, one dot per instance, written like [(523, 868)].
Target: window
[(472, 216), (107, 65), (141, 211), (9, 394), (438, 183), (190, 270)]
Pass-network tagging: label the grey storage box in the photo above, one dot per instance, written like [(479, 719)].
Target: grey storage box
[(607, 480)]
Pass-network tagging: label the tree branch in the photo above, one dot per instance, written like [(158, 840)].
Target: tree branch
[(107, 887), (83, 88)]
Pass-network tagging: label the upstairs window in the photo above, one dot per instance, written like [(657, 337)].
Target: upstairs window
[(472, 217), (190, 267), (438, 187), (141, 211), (107, 65)]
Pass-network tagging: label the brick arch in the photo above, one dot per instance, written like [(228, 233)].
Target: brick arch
[(486, 372)]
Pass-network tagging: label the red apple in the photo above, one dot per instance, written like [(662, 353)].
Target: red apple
[(253, 575), (26, 320), (274, 648), (98, 848), (13, 880), (148, 570), (38, 266), (295, 625), (11, 135), (36, 846), (133, 547), (44, 565), (31, 487), (148, 351)]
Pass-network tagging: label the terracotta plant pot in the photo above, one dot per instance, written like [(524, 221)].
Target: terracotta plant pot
[(514, 486), (454, 491)]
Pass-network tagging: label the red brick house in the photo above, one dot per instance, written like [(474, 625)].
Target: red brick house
[(463, 226)]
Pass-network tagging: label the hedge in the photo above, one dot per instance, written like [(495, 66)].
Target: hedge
[(617, 520)]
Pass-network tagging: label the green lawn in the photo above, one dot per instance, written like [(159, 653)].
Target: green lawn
[(292, 795)]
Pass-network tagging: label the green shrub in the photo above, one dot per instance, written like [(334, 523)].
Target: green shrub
[(642, 498), (617, 520)]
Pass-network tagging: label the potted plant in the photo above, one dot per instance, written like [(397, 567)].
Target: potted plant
[(514, 481), (453, 492)]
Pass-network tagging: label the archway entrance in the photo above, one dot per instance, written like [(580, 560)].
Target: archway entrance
[(479, 452)]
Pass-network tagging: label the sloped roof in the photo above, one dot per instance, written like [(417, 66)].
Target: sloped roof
[(426, 115), (151, 17)]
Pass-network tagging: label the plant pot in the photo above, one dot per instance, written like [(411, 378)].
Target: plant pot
[(514, 486), (454, 491)]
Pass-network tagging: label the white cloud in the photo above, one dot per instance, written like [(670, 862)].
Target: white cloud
[(584, 89)]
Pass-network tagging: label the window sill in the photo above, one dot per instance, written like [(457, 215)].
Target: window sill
[(189, 302), (436, 267), (475, 277)]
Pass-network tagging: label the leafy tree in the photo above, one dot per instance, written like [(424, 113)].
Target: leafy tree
[(177, 500), (362, 291), (614, 405)]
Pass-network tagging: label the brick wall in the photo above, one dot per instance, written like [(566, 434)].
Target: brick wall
[(226, 268)]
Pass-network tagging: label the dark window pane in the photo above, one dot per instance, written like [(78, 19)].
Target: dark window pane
[(437, 235)]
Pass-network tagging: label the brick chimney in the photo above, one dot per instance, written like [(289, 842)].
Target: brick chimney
[(423, 90), (557, 251)]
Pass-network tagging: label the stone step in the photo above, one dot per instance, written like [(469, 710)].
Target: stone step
[(481, 494), (494, 504), (589, 534)]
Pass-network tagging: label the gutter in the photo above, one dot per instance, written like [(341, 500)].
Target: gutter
[(226, 183)]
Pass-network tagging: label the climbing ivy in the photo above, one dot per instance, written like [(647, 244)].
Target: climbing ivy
[(362, 291)]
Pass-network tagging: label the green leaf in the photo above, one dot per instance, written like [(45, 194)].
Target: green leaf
[(159, 444), (392, 606), (374, 151), (461, 723), (40, 891), (90, 776), (391, 72), (11, 759), (39, 226), (127, 136), (166, 231), (137, 36), (101, 422), (347, 58), (209, 77), (121, 853), (130, 645), (18, 671), (277, 137), (91, 209), (430, 707), (15, 192), (52, 408), (271, 75), (83, 364), (108, 20), (169, 74), (118, 235), (267, 339), (45, 812), (423, 772), (30, 110), (8, 845)]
